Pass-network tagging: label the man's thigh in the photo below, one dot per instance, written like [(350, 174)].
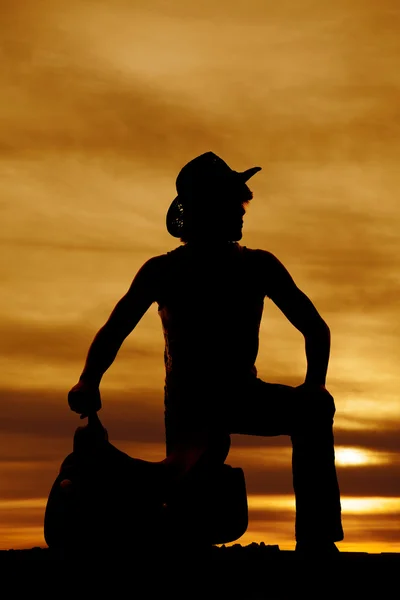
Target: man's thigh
[(261, 408), (253, 407)]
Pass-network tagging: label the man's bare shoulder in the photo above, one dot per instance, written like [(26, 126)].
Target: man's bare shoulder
[(157, 266), (154, 265), (274, 276), (263, 257)]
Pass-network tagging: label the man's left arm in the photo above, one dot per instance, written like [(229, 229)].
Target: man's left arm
[(301, 312)]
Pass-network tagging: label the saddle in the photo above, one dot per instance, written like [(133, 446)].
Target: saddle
[(103, 498)]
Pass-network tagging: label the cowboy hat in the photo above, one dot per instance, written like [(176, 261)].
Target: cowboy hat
[(202, 174)]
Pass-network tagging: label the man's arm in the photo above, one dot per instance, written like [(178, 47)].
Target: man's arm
[(127, 313), (122, 321), (303, 315)]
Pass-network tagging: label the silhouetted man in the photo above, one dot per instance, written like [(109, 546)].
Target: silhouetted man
[(210, 292)]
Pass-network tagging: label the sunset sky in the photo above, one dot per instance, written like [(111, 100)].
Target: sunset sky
[(102, 102)]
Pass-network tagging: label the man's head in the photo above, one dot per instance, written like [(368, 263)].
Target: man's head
[(211, 200)]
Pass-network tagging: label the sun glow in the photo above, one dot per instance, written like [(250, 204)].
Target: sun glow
[(372, 505), (345, 456), (350, 504), (351, 457)]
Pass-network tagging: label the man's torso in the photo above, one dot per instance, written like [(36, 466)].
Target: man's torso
[(210, 304)]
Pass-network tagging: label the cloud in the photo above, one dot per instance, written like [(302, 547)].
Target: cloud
[(68, 101), (366, 481), (46, 342), (88, 97), (381, 439), (134, 415)]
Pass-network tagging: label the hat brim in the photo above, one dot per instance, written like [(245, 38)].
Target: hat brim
[(174, 219), (175, 213), (245, 175)]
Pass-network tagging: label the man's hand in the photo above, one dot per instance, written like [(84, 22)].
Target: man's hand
[(84, 398), (316, 392), (314, 389)]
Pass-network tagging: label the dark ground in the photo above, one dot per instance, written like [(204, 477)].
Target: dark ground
[(251, 572)]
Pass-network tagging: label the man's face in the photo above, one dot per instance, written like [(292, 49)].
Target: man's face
[(228, 218), (220, 217), (230, 223)]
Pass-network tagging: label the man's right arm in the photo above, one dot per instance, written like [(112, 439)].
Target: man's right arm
[(107, 342)]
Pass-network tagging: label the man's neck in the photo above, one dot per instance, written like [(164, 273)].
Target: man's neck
[(217, 244)]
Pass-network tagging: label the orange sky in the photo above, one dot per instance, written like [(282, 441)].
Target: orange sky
[(102, 103)]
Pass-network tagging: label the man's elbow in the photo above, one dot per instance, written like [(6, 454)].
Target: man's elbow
[(317, 328)]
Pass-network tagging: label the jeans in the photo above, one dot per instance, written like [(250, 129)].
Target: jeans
[(255, 407)]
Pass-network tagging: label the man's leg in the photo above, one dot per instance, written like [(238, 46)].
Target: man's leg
[(268, 409)]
